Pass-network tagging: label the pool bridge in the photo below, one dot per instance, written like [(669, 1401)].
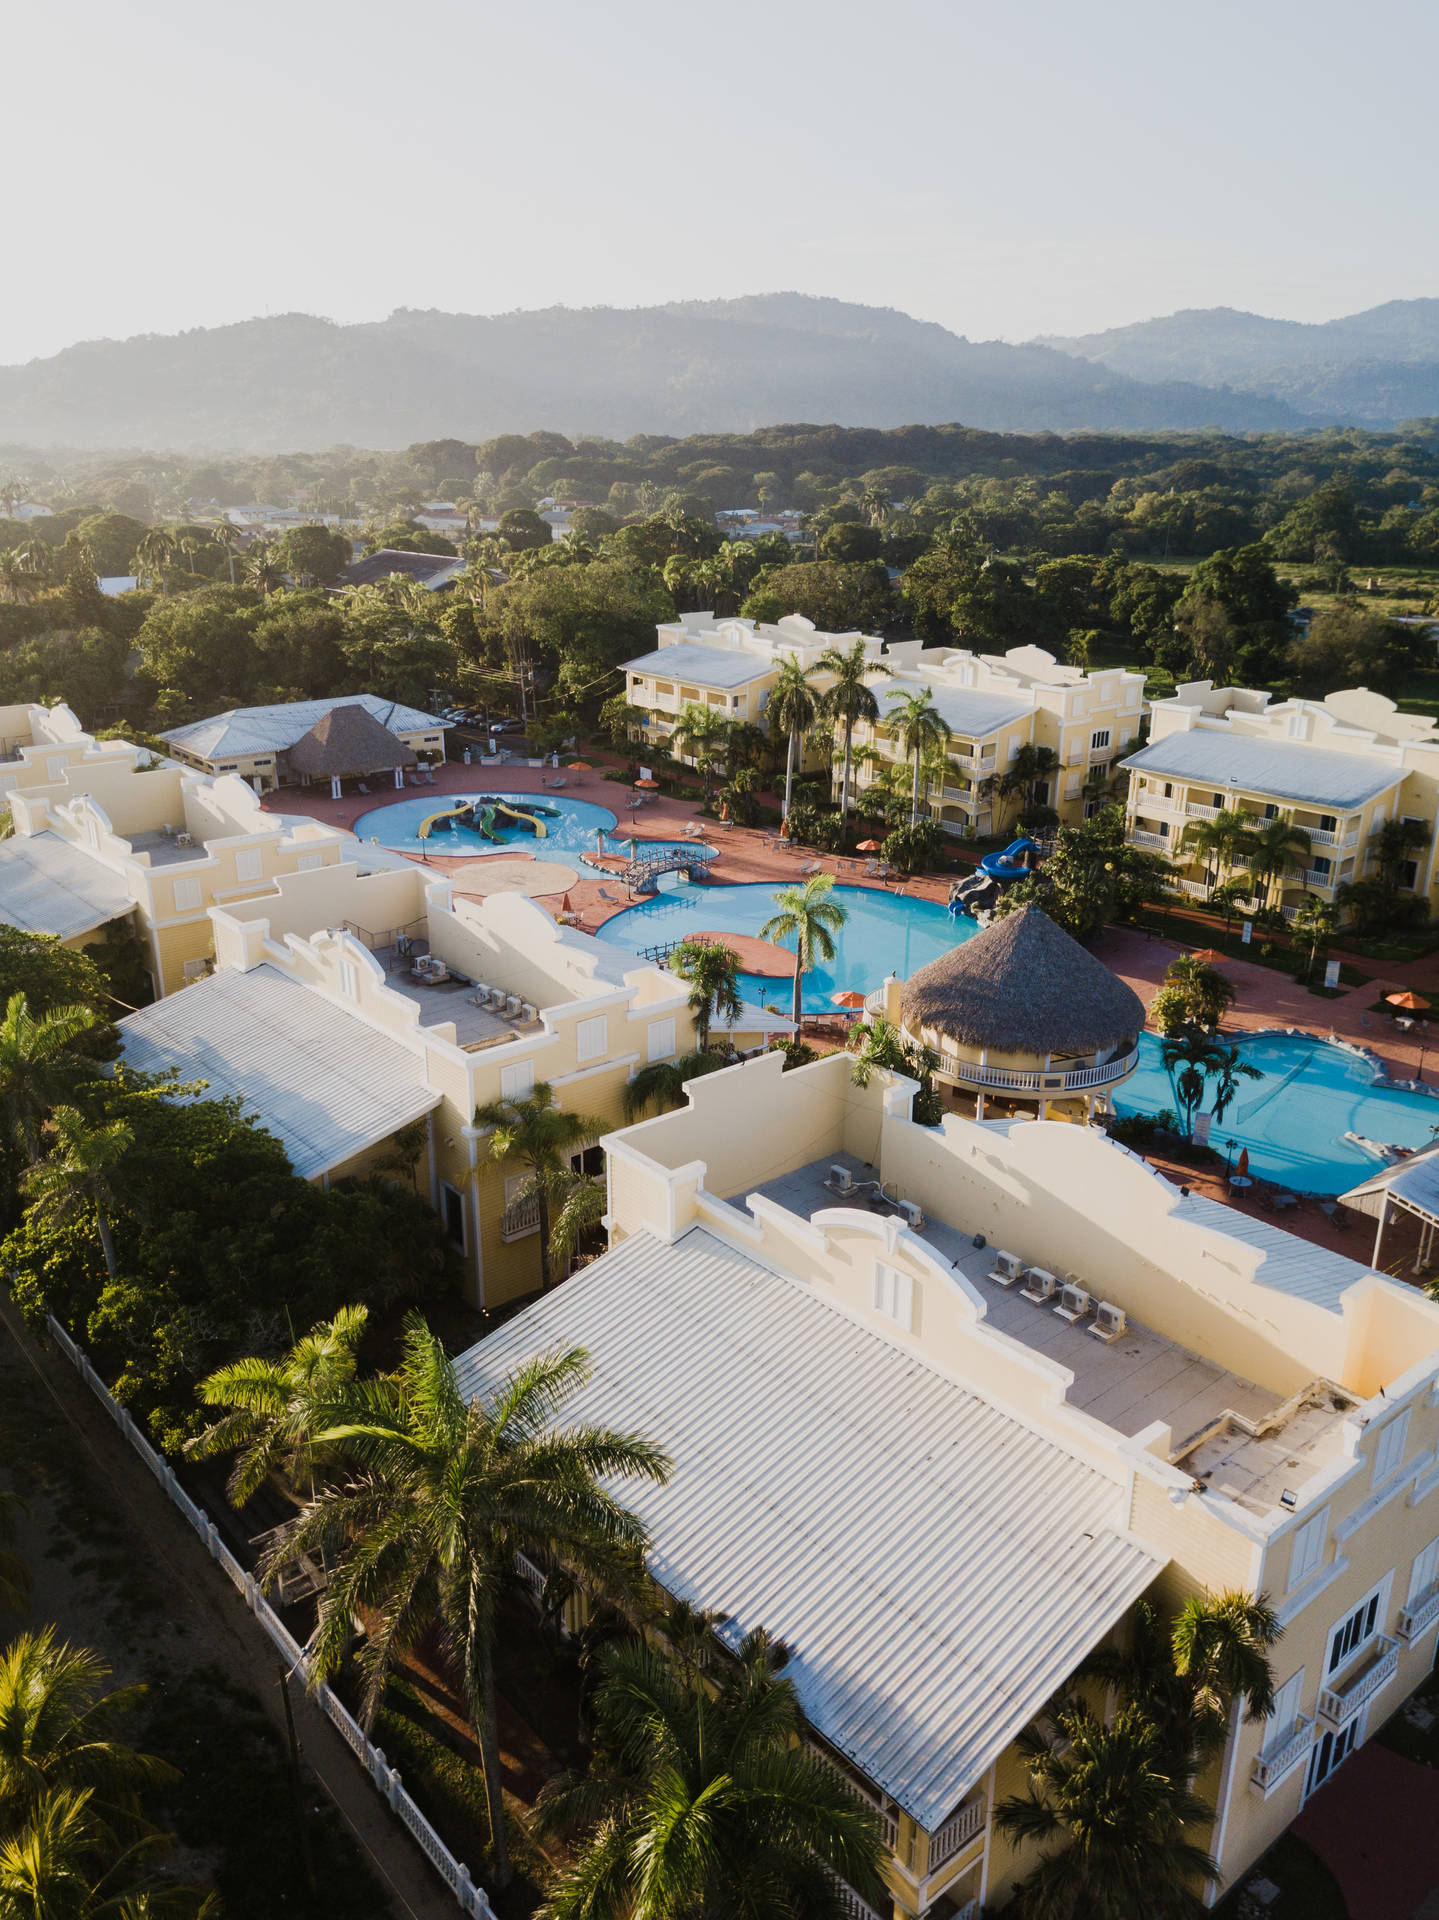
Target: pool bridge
[(643, 872)]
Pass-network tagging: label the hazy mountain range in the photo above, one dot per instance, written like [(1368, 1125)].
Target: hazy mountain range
[(298, 382)]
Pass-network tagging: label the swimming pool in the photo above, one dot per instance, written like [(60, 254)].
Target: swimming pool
[(570, 825), (883, 934), (1294, 1119)]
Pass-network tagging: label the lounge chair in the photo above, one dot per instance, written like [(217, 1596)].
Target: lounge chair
[(429, 776), (360, 787)]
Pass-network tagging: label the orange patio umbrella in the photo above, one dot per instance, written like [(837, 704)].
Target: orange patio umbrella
[(849, 998), (565, 906), (870, 846), (647, 785), (580, 766), (1243, 1166), (784, 828), (1411, 1002)]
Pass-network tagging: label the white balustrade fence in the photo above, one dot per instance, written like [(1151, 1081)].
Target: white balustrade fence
[(468, 1897)]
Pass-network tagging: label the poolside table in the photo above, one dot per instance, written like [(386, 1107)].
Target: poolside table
[(1240, 1182)]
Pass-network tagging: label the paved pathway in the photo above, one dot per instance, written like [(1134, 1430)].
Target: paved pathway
[(1376, 1826)]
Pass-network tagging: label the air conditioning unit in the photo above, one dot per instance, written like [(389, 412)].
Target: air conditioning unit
[(840, 1180), (1074, 1303), (1109, 1321), (913, 1213), (1007, 1268), (1040, 1286)]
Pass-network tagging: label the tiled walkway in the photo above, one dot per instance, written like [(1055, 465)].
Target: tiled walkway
[(1376, 1826)]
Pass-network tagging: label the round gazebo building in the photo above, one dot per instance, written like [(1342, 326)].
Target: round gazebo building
[(1022, 1015)]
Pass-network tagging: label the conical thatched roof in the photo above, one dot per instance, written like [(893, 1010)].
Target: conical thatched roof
[(1023, 986), (345, 741)]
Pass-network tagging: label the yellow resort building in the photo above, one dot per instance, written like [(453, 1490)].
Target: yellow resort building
[(1339, 768), (345, 1007), (994, 705), (945, 1403), (108, 837)]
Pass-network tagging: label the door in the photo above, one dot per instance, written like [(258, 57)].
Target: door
[(1330, 1751)]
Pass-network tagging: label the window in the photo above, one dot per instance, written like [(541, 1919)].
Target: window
[(1319, 864), (1286, 1707), (307, 862), (893, 1294), (1169, 789), (187, 896), (1425, 1572), (1098, 739), (1308, 1550), (517, 1082), (591, 1042), (589, 1161), (452, 1212), (1355, 1630), (1271, 812), (661, 1039), (1389, 1453), (1409, 874), (249, 864), (1328, 822), (1332, 1748)]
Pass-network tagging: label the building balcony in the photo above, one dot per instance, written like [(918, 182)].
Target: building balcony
[(850, 1902), (1194, 811), (520, 1219), (956, 1834), (1419, 1614), (1026, 1080), (1276, 1761), (1339, 1704), (1159, 842)]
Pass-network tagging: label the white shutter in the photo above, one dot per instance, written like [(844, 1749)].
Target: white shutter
[(661, 1039), (1286, 1706), (249, 864), (1425, 1573), (893, 1294), (517, 1082), (591, 1041), (1389, 1452), (1308, 1549), (187, 896)]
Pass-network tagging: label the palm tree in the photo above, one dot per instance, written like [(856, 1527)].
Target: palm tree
[(1119, 1820), (1192, 1058), (276, 1407), (793, 708), (877, 505), (1394, 844), (920, 727), (541, 1134), (808, 917), (707, 1801), (64, 1863), (75, 1179), (700, 735), (1222, 1644), (444, 1496), (262, 570), (580, 1214), (1029, 770), (1314, 920), (1270, 848), (37, 1065), (155, 552), (1216, 841), (227, 540), (663, 1082), (849, 699), (711, 972), (18, 574)]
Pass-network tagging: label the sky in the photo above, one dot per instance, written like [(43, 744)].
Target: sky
[(1008, 171)]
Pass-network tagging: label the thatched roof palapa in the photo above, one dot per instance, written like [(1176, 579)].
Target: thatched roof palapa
[(347, 741), (1023, 986)]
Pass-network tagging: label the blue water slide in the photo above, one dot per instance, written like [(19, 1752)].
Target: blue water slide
[(1011, 864)]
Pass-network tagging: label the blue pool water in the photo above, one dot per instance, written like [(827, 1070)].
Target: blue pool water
[(1294, 1119), (571, 831), (882, 935)]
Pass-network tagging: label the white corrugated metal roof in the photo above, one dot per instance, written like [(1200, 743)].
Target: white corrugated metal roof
[(704, 666), (967, 711), (935, 1568), (321, 1080), (272, 729), (1313, 776), (1290, 1265), (1412, 1182), (49, 886)]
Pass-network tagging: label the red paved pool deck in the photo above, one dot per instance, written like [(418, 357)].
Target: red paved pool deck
[(1266, 998), (1376, 1826)]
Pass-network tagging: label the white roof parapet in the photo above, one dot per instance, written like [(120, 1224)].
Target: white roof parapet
[(1310, 776), (934, 1567)]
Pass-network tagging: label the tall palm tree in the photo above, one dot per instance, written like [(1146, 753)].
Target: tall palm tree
[(663, 1082), (1030, 769), (37, 1064), (920, 728), (811, 919), (1216, 842), (700, 734), (444, 1496), (1270, 849), (64, 1863), (1395, 843), (153, 555), (1222, 1644), (226, 539), (262, 569), (848, 699), (75, 1180), (711, 972), (1192, 1058), (1315, 920), (1114, 1820), (276, 1407), (544, 1137), (706, 1801), (580, 1214), (792, 709)]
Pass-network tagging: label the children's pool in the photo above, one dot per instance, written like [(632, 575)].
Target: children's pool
[(883, 934), (1293, 1120), (570, 826)]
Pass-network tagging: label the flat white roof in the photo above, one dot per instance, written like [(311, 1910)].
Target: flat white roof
[(49, 886), (323, 1081), (246, 730), (1289, 769), (935, 1568), (705, 666), (966, 710)]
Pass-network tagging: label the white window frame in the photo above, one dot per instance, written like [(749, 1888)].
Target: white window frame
[(1285, 1714), (661, 1040), (249, 864), (189, 896), (592, 1038), (1099, 738), (1389, 1447), (894, 1295), (517, 1081), (1306, 1555), (1338, 1745), (308, 862), (1423, 1573), (1354, 1629)]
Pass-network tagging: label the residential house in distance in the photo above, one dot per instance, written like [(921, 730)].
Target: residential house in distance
[(344, 1006), (108, 842), (1339, 768), (945, 1403), (729, 666), (432, 571), (306, 740), (996, 704)]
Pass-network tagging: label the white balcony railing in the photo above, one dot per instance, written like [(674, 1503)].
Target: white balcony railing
[(1195, 812), (1340, 1703), (1313, 878), (889, 1822), (850, 1901), (1419, 1614), (1276, 1761), (1031, 1080), (522, 1218), (956, 1834), (1160, 841)]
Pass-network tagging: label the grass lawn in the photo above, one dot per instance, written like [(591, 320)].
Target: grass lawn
[(1307, 1889)]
